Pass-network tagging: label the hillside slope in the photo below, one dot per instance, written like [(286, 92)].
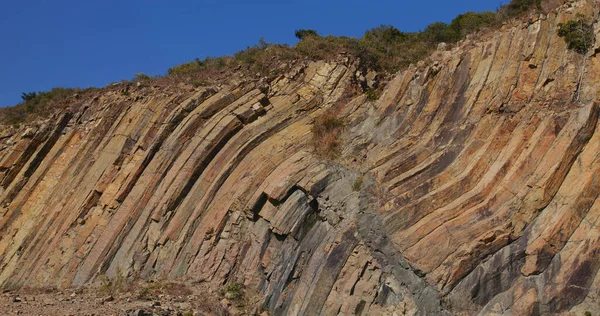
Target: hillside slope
[(470, 185)]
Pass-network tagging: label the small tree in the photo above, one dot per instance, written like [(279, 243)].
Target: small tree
[(384, 38), (440, 32), (579, 36), (262, 43), (302, 34), (27, 96)]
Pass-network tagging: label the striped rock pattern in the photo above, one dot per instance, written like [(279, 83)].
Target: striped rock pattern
[(471, 185)]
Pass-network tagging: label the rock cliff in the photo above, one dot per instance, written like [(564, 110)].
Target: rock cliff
[(469, 186)]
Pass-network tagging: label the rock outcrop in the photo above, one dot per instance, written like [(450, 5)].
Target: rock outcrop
[(470, 185)]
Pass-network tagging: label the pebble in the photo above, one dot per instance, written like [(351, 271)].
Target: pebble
[(138, 312), (225, 302)]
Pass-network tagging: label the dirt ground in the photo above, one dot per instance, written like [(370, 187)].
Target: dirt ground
[(139, 300)]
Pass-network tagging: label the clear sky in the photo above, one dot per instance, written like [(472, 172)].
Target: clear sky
[(82, 43)]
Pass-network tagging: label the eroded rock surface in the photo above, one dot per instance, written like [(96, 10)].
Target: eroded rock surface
[(471, 185)]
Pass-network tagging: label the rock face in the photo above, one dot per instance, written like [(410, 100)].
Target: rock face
[(471, 185)]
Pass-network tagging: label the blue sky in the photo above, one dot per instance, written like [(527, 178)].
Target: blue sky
[(82, 43)]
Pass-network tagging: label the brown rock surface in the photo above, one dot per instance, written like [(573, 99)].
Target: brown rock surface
[(478, 183)]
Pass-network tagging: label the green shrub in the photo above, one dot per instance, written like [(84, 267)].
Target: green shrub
[(233, 291), (472, 22), (381, 48), (15, 118), (578, 34), (262, 43), (387, 48), (461, 26), (249, 55), (372, 95), (28, 96), (141, 77), (517, 7), (326, 47), (384, 37), (186, 68), (252, 53), (199, 66), (439, 32), (39, 102), (304, 33)]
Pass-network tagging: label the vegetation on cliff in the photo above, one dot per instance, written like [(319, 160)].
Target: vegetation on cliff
[(38, 104), (577, 33), (579, 36), (383, 48), (327, 131), (445, 177)]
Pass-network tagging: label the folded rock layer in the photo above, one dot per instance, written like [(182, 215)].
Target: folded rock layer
[(469, 186)]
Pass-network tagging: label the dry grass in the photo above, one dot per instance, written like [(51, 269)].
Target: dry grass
[(358, 183), (113, 286), (327, 131), (43, 105), (152, 290), (28, 290)]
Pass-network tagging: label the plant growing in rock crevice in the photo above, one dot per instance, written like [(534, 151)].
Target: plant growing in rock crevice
[(358, 183), (579, 36), (112, 286), (233, 291), (327, 130), (371, 95)]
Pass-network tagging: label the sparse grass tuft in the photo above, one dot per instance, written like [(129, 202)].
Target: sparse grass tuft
[(199, 83), (113, 286), (141, 77), (518, 7), (37, 104), (358, 183), (327, 131), (152, 290), (372, 95), (233, 291)]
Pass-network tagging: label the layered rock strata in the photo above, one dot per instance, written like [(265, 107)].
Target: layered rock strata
[(471, 185)]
